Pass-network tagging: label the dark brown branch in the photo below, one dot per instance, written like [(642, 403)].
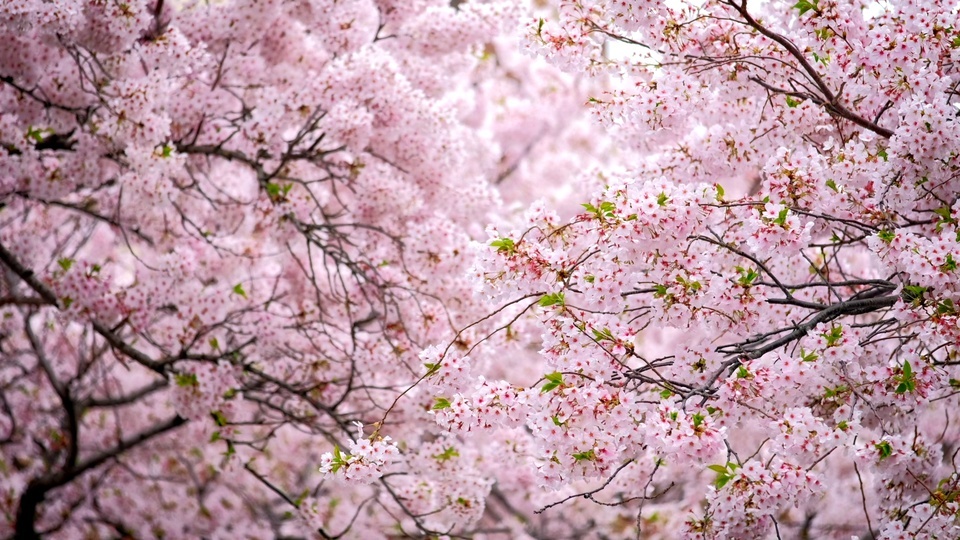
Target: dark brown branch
[(831, 312), (37, 489), (63, 392), (126, 399), (831, 101)]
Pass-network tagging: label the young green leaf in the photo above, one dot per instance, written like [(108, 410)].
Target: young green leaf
[(504, 245), (554, 380), (238, 290), (552, 299)]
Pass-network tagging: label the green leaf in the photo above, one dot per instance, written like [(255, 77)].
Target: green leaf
[(35, 134), (792, 103), (431, 368), (949, 265), (781, 219), (833, 185), (913, 294), (886, 235), (504, 245), (556, 377), (219, 418), (607, 208), (186, 379), (720, 192), (441, 403), (305, 493), (907, 381), (946, 216), (273, 190), (547, 387), (589, 455), (807, 5), (659, 291), (551, 300), (447, 454), (833, 336), (603, 335), (589, 278), (747, 276), (554, 380), (884, 448), (690, 286), (882, 153), (835, 392), (238, 289), (339, 461), (65, 264), (725, 473), (662, 199)]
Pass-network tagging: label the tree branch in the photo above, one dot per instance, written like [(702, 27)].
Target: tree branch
[(37, 489)]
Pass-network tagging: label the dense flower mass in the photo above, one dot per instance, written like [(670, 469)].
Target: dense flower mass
[(479, 269)]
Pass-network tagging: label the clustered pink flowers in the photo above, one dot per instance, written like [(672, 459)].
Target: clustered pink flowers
[(479, 269)]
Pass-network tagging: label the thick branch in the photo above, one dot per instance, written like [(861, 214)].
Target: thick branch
[(132, 397), (37, 489), (834, 311), (63, 392), (831, 101)]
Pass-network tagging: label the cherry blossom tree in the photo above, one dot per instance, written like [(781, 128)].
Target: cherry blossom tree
[(775, 359), (297, 268), (227, 230)]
